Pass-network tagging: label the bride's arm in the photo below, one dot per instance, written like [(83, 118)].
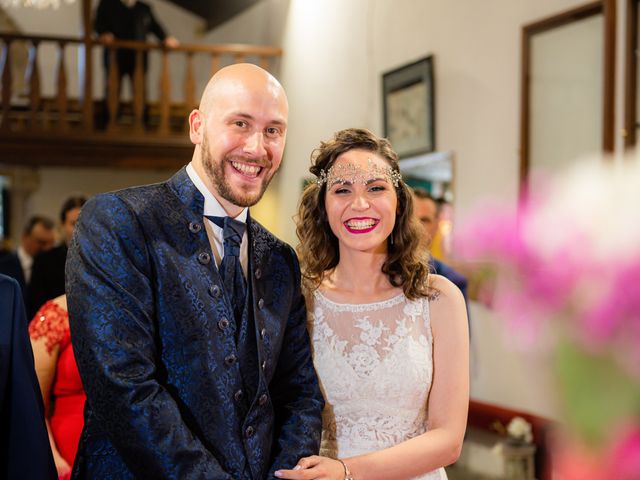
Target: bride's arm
[(447, 409), (45, 360)]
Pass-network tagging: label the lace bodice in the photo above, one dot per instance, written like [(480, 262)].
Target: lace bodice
[(375, 367)]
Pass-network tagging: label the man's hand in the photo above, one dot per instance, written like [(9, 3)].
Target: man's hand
[(171, 42), (107, 38)]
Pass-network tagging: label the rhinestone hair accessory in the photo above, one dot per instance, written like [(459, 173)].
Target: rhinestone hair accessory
[(353, 173)]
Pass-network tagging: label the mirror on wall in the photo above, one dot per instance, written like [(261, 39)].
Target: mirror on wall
[(567, 110), (632, 73)]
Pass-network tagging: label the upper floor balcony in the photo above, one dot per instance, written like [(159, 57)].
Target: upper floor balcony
[(54, 111)]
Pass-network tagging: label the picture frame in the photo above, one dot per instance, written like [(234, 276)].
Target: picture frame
[(408, 103)]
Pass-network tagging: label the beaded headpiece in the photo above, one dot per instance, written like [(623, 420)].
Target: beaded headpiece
[(354, 173)]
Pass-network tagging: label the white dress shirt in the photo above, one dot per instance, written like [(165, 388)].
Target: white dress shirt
[(214, 232)]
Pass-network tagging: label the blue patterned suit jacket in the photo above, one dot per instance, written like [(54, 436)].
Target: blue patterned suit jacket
[(158, 359)]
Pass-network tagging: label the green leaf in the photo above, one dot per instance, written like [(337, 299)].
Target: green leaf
[(595, 393)]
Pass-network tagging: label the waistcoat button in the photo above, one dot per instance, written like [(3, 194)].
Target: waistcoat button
[(194, 227), (223, 324), (204, 258)]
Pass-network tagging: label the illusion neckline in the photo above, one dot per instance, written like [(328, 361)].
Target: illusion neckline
[(389, 302)]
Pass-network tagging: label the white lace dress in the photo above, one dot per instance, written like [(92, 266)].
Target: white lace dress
[(375, 366)]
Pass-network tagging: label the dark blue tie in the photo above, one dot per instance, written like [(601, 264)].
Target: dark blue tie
[(231, 268)]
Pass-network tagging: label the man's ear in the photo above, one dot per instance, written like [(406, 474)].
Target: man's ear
[(196, 126)]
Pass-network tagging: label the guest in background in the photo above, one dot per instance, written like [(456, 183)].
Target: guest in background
[(24, 449), (59, 381), (427, 209), (38, 236), (47, 275), (128, 20)]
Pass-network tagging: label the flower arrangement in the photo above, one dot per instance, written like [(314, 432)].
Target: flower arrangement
[(520, 430), (567, 260)]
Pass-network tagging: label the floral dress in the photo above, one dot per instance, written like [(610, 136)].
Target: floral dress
[(67, 395), (375, 365)]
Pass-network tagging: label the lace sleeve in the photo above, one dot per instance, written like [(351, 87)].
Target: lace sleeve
[(51, 322)]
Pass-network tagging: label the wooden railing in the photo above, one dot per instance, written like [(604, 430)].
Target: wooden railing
[(62, 114)]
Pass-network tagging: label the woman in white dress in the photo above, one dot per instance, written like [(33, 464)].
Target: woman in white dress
[(390, 340)]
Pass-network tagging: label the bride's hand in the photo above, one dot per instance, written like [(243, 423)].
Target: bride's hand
[(314, 468)]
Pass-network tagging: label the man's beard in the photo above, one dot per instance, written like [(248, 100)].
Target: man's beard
[(216, 173)]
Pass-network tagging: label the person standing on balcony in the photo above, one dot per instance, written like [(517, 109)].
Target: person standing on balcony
[(187, 318), (127, 20)]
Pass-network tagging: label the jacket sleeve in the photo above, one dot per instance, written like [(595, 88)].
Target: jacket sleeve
[(24, 443), (102, 20), (295, 390), (155, 27), (113, 329)]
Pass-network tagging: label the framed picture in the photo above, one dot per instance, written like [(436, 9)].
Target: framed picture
[(408, 108)]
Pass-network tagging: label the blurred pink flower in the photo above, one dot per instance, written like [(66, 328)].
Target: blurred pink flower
[(556, 264), (569, 258), (624, 459)]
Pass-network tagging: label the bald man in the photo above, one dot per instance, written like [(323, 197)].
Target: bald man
[(195, 367)]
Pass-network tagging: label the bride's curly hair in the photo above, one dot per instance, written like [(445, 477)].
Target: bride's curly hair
[(407, 263)]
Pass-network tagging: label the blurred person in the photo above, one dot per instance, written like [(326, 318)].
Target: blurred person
[(127, 20), (59, 381), (47, 275), (37, 237), (24, 446), (427, 210), (390, 340), (187, 317)]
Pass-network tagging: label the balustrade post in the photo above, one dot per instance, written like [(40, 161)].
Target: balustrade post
[(189, 87), (6, 84), (165, 89), (139, 94), (32, 79), (62, 88), (113, 89), (215, 64), (85, 68)]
